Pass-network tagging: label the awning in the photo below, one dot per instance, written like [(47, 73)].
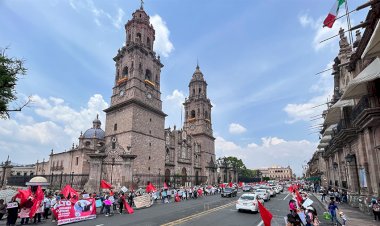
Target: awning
[(316, 178), (373, 46), (334, 113), (326, 139), (323, 145), (357, 87), (329, 129)]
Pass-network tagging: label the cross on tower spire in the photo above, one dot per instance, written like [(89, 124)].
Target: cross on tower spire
[(142, 4)]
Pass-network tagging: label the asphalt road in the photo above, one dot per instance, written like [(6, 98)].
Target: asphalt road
[(208, 210)]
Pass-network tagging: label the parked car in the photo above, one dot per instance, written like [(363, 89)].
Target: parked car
[(263, 193), (229, 192), (247, 188), (249, 202)]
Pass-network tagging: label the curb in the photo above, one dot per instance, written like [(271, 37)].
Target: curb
[(324, 207)]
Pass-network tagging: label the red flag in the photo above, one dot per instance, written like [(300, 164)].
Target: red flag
[(240, 184), (230, 184), (23, 195), (70, 193), (150, 188), (266, 216), (128, 208), (105, 185), (299, 198), (165, 186), (38, 198), (290, 189)]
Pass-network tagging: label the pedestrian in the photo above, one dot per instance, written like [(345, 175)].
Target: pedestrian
[(12, 212), (121, 202), (47, 205), (293, 219), (332, 207), (344, 218), (38, 214), (25, 210), (3, 208), (292, 206), (324, 195), (376, 210), (107, 205)]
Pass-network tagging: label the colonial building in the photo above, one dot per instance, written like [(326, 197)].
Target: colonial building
[(350, 140), (135, 147), (277, 172)]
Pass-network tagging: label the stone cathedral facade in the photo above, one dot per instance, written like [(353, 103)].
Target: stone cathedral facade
[(135, 144)]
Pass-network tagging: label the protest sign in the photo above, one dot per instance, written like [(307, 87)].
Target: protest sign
[(142, 201), (81, 210)]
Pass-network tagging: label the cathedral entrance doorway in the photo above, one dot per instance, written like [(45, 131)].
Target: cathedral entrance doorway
[(184, 176), (167, 175), (196, 178)]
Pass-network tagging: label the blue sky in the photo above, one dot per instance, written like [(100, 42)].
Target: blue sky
[(258, 57)]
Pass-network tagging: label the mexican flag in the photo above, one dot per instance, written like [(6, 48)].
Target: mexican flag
[(330, 19)]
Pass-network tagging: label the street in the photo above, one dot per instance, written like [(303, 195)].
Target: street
[(208, 210)]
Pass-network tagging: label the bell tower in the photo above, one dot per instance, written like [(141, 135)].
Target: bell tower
[(135, 120), (198, 123)]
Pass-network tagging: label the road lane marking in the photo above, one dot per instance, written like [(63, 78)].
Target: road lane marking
[(99, 225), (287, 196), (261, 223), (197, 215)]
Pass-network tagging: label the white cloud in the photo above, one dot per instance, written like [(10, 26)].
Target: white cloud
[(315, 105), (272, 151), (322, 33), (236, 128), (162, 44), (173, 105), (98, 13), (305, 20), (27, 138)]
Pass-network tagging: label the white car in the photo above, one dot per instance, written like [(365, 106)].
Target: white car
[(263, 193), (248, 202)]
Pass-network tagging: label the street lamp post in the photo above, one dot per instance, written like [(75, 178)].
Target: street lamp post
[(159, 177)]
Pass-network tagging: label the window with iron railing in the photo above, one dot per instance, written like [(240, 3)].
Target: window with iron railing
[(360, 107)]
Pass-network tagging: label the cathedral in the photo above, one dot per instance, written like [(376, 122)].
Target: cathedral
[(135, 146)]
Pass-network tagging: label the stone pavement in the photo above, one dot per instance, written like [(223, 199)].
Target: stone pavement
[(354, 215)]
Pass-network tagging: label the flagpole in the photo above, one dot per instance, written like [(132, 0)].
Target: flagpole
[(348, 23)]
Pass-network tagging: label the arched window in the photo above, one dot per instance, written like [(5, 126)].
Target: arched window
[(193, 91), (87, 143), (125, 72), (206, 114), (148, 75), (129, 38), (138, 37), (199, 90), (115, 127), (148, 42), (192, 114), (199, 112)]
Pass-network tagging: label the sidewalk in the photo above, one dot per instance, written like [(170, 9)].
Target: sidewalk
[(354, 215)]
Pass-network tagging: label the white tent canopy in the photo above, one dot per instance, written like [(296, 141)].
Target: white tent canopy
[(373, 46), (358, 86)]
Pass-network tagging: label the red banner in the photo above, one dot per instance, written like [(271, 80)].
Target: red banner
[(83, 209)]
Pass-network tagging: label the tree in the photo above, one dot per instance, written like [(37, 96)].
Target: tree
[(10, 70)]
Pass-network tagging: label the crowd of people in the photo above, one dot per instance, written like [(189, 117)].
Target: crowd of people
[(109, 202)]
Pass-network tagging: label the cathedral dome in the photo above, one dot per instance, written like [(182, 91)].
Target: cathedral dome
[(95, 131)]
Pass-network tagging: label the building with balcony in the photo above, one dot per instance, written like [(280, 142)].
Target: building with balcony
[(350, 141), (277, 173)]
